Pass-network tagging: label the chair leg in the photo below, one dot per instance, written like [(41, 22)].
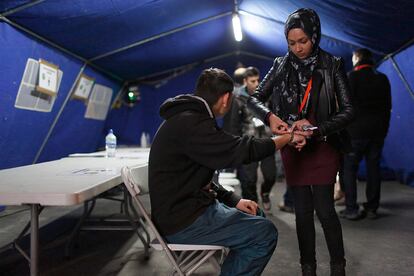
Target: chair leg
[(215, 264), (196, 263), (137, 225)]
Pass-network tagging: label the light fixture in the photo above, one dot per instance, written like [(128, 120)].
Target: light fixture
[(132, 95), (238, 35)]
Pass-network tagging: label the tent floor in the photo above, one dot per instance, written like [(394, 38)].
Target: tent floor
[(373, 247)]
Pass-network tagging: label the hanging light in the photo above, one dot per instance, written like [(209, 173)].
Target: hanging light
[(132, 95), (238, 35)]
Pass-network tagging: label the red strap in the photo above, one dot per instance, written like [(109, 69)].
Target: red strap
[(305, 98), (359, 67)]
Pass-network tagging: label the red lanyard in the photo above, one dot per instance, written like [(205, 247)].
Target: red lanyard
[(359, 67), (305, 98)]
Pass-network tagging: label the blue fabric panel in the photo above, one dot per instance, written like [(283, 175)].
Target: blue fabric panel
[(398, 153), (94, 27), (22, 131), (74, 133), (200, 42), (405, 61), (6, 5)]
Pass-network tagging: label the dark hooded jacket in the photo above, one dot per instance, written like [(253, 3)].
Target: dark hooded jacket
[(187, 149)]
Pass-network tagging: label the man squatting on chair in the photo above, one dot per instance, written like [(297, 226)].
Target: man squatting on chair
[(188, 147)]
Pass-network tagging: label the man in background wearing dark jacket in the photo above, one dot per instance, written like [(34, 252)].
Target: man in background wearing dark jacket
[(243, 122), (371, 94), (185, 205)]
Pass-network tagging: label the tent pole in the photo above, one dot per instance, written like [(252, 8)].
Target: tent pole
[(112, 75), (22, 7), (256, 55), (400, 74), (118, 95), (323, 35), (235, 53), (183, 67), (58, 115), (403, 47), (135, 44)]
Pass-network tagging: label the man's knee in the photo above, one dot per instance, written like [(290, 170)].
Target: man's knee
[(267, 231)]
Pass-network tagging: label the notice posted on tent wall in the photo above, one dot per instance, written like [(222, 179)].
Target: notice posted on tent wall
[(99, 101), (28, 97), (83, 87), (48, 78)]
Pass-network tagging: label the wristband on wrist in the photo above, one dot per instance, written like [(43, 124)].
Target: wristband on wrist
[(292, 135)]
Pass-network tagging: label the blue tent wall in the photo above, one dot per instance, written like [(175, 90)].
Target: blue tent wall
[(23, 131), (398, 153)]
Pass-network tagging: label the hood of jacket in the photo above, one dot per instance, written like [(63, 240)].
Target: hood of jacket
[(183, 103)]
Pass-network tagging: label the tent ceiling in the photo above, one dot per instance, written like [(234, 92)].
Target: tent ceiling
[(137, 38)]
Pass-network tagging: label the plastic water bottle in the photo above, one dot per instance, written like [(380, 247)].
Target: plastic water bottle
[(110, 144)]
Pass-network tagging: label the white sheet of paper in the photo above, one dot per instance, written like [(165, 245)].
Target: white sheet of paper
[(48, 77), (84, 87)]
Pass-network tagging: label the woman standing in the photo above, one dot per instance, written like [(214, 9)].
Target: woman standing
[(308, 87)]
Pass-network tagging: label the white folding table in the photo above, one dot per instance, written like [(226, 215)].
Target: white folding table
[(63, 182)]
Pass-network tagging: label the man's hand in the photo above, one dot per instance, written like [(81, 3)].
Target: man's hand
[(277, 125), (247, 206), (298, 128), (298, 141)]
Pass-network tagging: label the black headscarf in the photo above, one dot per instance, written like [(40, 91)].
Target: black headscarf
[(294, 73)]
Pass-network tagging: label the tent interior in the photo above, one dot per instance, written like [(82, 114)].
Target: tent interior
[(160, 47)]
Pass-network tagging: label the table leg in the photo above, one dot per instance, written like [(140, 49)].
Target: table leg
[(34, 239)]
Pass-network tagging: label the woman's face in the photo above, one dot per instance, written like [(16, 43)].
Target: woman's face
[(299, 43)]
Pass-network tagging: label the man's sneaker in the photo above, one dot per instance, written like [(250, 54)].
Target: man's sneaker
[(266, 202), (355, 215), (285, 208), (371, 214)]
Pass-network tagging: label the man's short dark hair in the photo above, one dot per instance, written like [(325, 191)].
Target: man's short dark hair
[(364, 55), (251, 72), (212, 84)]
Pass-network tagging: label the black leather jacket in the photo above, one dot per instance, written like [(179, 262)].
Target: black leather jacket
[(334, 108)]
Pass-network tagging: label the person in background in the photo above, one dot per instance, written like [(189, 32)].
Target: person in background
[(238, 77), (309, 90), (186, 206), (242, 122), (371, 93)]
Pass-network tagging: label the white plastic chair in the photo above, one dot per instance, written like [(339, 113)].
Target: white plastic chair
[(185, 258)]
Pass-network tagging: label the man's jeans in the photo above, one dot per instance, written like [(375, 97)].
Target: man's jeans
[(251, 239), (370, 149)]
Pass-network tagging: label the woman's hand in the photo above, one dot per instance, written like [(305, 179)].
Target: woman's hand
[(298, 141), (277, 125), (298, 128), (247, 206)]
